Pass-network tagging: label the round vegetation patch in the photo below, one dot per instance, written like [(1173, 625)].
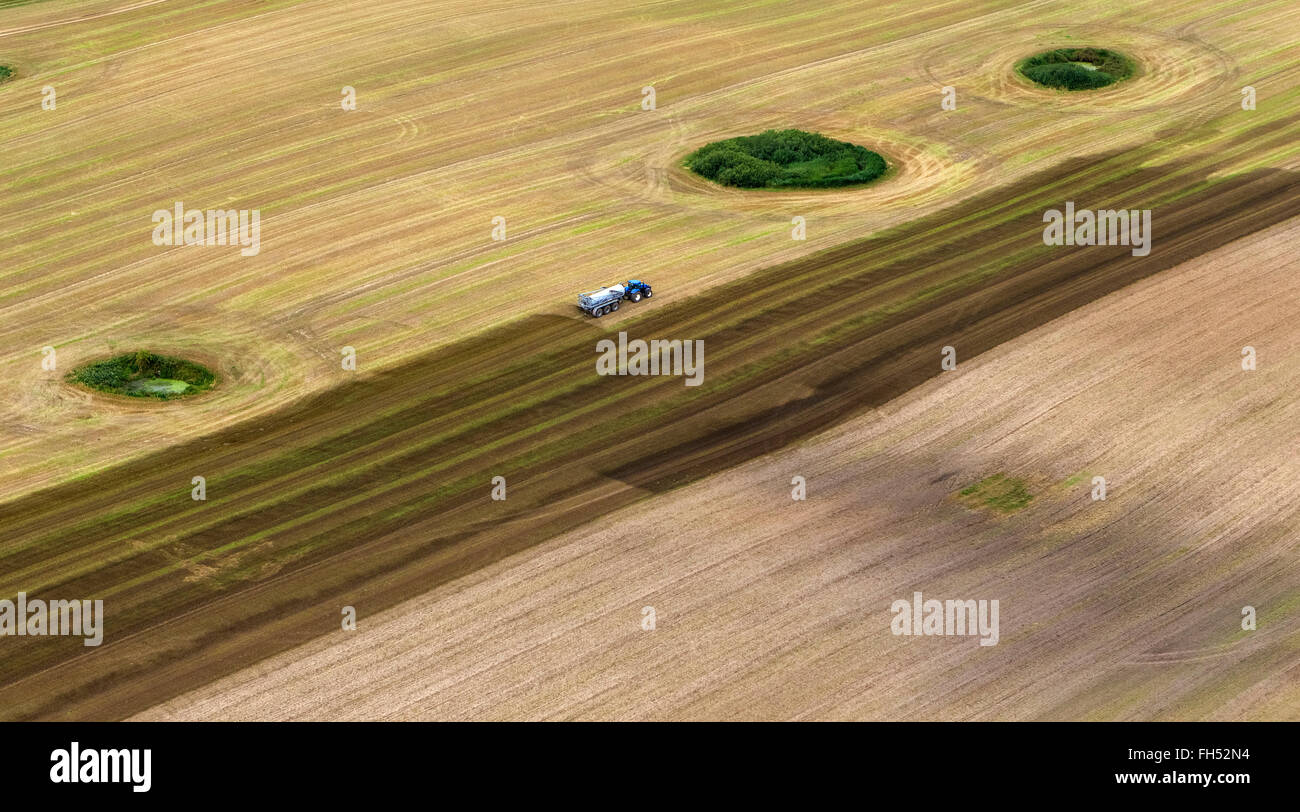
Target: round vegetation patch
[(6, 72), (785, 159), (1077, 68), (145, 375)]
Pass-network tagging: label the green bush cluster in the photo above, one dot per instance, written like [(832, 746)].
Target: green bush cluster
[(999, 492), (116, 374), (785, 158), (5, 72), (1060, 68)]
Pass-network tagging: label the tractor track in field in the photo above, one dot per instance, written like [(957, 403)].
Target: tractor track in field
[(9, 32), (377, 490)]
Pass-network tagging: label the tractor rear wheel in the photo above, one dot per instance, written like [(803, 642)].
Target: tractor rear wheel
[(636, 297)]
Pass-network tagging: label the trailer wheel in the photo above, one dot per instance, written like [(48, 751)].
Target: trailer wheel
[(597, 313), (614, 306)]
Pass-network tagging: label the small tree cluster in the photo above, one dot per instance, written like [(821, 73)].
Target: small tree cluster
[(785, 158)]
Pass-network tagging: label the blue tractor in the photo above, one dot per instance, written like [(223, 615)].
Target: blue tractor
[(606, 299), (637, 290)]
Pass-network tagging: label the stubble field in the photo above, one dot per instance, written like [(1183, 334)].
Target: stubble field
[(331, 488)]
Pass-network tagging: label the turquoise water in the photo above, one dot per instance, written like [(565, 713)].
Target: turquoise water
[(166, 385)]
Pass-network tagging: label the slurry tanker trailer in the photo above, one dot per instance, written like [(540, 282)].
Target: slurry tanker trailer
[(606, 300)]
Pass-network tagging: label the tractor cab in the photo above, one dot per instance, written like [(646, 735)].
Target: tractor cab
[(637, 290)]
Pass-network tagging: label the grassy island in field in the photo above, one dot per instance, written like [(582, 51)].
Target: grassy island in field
[(785, 159), (999, 492), (1077, 68), (145, 375)]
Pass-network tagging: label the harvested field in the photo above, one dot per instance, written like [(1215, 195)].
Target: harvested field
[(1127, 608), (328, 487), (381, 485), (377, 222)]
